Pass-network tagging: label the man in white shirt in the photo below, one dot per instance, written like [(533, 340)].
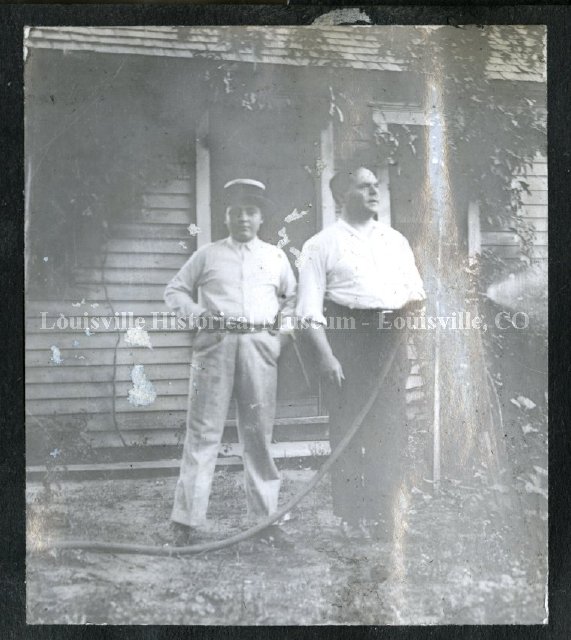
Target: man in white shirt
[(361, 274), (236, 289)]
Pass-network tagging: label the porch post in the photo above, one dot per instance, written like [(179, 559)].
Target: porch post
[(384, 194), (326, 168), (203, 208), (474, 233)]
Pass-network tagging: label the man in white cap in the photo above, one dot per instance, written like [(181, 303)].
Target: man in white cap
[(236, 290)]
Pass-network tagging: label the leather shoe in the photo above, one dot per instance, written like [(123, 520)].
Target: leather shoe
[(182, 535), (274, 536)]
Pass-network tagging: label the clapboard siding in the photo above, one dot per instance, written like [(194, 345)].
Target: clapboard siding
[(101, 422), (126, 291), (534, 198), (57, 390), (505, 243), (539, 223), (159, 323), (101, 405), (105, 340), (179, 186), (162, 403), (90, 389), (170, 430), (164, 216), (168, 200), (148, 245), (77, 306), (86, 357), (509, 238), (515, 253), (118, 260), (94, 377), (129, 276), (152, 416), (533, 181), (50, 375), (151, 230), (535, 211)]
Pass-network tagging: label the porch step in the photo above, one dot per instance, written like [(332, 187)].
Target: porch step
[(283, 452)]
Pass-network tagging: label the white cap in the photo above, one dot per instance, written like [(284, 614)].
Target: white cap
[(246, 181)]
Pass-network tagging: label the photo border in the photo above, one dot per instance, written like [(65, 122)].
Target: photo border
[(13, 18)]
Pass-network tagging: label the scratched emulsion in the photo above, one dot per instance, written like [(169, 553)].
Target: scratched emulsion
[(456, 556), (467, 430), (56, 355), (138, 337), (463, 424), (526, 289), (143, 392), (437, 208), (193, 229)]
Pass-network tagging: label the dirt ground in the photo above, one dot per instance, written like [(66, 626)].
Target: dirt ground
[(470, 554)]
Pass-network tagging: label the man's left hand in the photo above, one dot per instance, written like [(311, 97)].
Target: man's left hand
[(285, 340)]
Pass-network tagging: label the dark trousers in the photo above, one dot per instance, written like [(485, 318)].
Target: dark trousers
[(367, 477)]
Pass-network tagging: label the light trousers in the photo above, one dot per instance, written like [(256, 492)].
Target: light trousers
[(226, 364)]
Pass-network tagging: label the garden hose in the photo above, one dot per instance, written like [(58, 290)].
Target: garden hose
[(169, 551)]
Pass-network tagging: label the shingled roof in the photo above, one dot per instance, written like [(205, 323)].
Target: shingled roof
[(359, 47), (356, 47)]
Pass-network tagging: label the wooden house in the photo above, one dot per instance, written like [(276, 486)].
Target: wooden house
[(138, 127)]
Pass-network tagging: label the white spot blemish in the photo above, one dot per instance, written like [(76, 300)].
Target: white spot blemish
[(527, 428), (88, 333), (193, 229), (342, 16), (298, 255), (295, 215), (138, 337), (526, 402), (56, 355), (46, 258), (282, 233), (143, 392), (182, 245), (533, 488)]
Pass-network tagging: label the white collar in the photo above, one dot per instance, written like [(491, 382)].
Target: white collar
[(251, 244), (376, 227)]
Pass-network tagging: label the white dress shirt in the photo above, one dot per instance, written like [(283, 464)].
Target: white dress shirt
[(251, 280), (373, 270)]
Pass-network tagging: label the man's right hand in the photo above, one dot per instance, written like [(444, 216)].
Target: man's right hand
[(215, 315), (209, 320), (331, 370)]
